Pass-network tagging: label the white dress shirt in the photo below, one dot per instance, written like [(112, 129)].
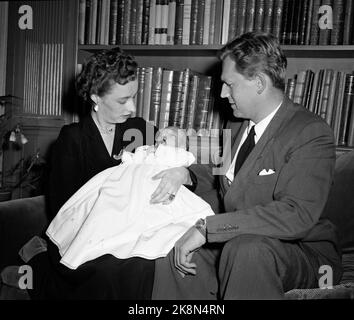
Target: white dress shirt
[(259, 128)]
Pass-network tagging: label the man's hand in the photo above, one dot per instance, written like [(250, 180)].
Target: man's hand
[(171, 181), (184, 249)]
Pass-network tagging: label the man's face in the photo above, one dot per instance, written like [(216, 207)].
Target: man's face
[(239, 90)]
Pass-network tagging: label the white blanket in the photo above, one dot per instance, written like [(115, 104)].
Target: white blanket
[(112, 214)]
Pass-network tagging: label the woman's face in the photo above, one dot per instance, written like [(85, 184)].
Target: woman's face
[(117, 105)]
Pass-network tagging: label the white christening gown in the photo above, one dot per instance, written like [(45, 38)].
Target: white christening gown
[(112, 214)]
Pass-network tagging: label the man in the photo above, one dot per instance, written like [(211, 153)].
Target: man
[(269, 238)]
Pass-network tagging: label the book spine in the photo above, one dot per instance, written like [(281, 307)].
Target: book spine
[(225, 21), (164, 22), (176, 99), (290, 22), (250, 15), (338, 22), (87, 21), (127, 22), (268, 15), (348, 102), (167, 78), (192, 101), (155, 103), (139, 21), (325, 93), (120, 22), (297, 23), (339, 107), (309, 5), (299, 87), (152, 22), (172, 12), (185, 91), (107, 5), (348, 22), (303, 22), (278, 17), (325, 34), (133, 21), (351, 126), (81, 31), (187, 11), (145, 28), (218, 22), (314, 91), (147, 93), (290, 89), (259, 15), (113, 19), (203, 99), (212, 22), (233, 20), (307, 97), (206, 26), (158, 21), (321, 79), (193, 24), (140, 93), (178, 34), (100, 23), (315, 31), (200, 22), (332, 93), (93, 21), (241, 17)]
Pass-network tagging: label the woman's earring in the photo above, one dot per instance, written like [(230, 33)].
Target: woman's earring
[(95, 108)]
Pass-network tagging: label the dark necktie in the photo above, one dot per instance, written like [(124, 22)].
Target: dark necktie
[(245, 150)]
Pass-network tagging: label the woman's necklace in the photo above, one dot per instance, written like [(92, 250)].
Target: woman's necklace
[(105, 131)]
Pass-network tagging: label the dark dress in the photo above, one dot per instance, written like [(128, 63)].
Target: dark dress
[(78, 154)]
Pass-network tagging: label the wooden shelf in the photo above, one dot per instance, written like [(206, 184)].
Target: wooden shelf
[(341, 150), (211, 50)]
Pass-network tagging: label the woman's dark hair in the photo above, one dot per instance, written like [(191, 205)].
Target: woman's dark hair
[(256, 52), (103, 69)]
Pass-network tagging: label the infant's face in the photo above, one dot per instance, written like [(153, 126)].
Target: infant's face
[(172, 137)]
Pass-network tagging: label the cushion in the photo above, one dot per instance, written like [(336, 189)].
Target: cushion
[(340, 204)]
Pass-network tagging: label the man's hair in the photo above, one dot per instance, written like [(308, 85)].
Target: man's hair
[(257, 52), (102, 70)]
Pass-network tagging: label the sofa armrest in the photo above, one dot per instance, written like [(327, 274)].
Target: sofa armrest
[(20, 220)]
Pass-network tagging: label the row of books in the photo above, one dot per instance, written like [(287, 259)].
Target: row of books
[(293, 22), (203, 22), (330, 94), (181, 98)]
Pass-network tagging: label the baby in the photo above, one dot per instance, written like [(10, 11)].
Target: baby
[(112, 213)]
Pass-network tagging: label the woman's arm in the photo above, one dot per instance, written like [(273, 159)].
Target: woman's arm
[(66, 169)]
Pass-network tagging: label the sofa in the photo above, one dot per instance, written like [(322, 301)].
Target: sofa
[(22, 219)]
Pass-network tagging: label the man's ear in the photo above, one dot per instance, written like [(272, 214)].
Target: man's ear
[(261, 82)]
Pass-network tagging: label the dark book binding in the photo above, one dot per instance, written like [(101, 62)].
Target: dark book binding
[(325, 34), (179, 22), (268, 16), (347, 109), (338, 22), (315, 30), (259, 15)]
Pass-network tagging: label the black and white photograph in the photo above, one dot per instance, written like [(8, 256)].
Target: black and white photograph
[(177, 156)]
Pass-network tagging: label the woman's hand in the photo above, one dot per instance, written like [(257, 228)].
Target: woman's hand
[(171, 181)]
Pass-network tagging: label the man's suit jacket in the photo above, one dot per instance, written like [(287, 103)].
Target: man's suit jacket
[(286, 205)]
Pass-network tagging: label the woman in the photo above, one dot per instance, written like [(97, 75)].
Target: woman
[(108, 83)]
